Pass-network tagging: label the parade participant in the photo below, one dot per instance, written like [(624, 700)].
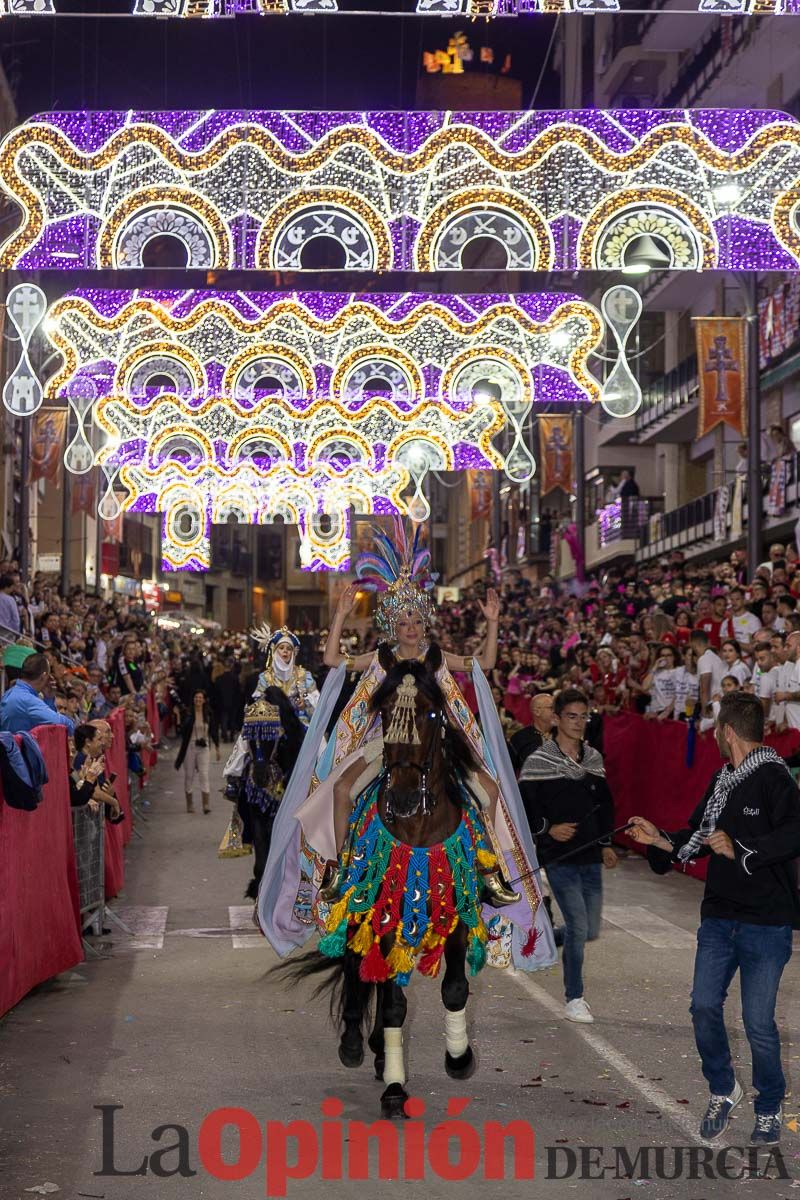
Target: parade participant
[(748, 822), (282, 671), (567, 800), (273, 734), (312, 822)]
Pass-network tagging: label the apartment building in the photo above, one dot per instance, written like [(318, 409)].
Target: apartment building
[(667, 59)]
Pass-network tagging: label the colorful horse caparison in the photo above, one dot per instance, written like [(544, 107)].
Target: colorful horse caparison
[(412, 889)]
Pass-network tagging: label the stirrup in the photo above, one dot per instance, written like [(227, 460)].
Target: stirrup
[(499, 893), (331, 882)]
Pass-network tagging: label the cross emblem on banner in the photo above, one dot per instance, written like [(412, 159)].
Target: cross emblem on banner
[(557, 446), (720, 361)]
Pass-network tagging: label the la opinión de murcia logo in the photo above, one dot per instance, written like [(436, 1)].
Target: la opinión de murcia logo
[(453, 1150)]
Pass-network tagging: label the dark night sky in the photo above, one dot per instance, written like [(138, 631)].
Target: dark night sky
[(312, 62)]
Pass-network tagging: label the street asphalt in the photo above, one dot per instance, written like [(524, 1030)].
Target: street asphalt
[(179, 1019)]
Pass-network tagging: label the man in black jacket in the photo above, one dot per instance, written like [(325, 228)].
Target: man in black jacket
[(749, 823), (567, 800), (528, 740)]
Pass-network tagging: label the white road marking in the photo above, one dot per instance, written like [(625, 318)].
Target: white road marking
[(147, 923), (245, 934), (655, 1096), (645, 925)]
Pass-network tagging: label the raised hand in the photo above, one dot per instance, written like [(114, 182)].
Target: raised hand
[(491, 609), (348, 598)]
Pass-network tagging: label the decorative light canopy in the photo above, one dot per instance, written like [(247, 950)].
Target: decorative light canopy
[(473, 9), (308, 405), (421, 191)]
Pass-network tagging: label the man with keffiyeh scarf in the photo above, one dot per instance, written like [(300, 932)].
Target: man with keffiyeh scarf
[(748, 822)]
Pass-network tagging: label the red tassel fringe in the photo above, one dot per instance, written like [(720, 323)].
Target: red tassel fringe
[(431, 960), (530, 943), (374, 967)]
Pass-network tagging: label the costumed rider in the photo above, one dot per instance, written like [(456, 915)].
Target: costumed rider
[(280, 671), (273, 735), (306, 869)]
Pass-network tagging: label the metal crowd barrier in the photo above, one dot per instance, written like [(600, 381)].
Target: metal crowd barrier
[(88, 831)]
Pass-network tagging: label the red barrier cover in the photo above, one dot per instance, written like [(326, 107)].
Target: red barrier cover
[(648, 776), (154, 721), (117, 836), (39, 923)]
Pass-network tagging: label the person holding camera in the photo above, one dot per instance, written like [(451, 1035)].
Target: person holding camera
[(200, 727)]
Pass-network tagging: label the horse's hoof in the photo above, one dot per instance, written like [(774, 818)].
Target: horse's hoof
[(380, 1063), (351, 1054), (461, 1067), (392, 1102)]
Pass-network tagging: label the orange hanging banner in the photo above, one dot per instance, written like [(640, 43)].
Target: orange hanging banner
[(721, 370), (480, 493), (555, 454), (47, 445)]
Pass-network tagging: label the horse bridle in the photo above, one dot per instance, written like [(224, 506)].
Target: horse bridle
[(424, 769)]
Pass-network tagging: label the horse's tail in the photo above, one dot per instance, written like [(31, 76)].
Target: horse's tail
[(350, 997)]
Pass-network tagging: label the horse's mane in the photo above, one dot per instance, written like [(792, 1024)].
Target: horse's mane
[(460, 755)]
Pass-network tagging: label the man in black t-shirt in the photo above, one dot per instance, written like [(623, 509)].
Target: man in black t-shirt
[(748, 822)]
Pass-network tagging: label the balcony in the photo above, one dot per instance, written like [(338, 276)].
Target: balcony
[(706, 61), (666, 399), (707, 523), (616, 532)]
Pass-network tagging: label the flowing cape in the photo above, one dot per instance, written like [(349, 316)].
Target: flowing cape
[(307, 809)]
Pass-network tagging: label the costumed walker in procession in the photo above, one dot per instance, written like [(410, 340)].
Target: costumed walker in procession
[(351, 854)]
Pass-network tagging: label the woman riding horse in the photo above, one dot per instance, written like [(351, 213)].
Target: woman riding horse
[(331, 822)]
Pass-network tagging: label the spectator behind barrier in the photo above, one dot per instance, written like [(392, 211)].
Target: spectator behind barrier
[(23, 707)]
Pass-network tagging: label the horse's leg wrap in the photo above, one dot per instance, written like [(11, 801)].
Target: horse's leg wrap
[(455, 1031), (394, 1070)]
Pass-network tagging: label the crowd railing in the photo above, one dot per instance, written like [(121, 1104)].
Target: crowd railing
[(59, 867)]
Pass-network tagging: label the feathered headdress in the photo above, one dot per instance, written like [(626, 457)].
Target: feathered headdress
[(399, 570), (263, 636)]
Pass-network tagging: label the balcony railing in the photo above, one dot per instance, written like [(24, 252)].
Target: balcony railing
[(622, 520), (709, 518), (675, 390), (703, 65)]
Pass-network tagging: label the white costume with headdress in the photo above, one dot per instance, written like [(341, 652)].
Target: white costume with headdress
[(297, 682), (303, 836)]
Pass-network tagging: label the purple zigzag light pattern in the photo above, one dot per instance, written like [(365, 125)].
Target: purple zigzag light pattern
[(308, 405), (415, 191)]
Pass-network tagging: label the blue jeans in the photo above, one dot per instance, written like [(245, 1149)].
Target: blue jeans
[(760, 952), (578, 890)]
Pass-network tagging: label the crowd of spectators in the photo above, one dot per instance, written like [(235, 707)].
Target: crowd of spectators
[(666, 641)]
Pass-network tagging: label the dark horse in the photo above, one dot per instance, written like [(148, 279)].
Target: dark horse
[(421, 800)]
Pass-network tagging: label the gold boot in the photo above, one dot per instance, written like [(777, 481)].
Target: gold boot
[(499, 894), (331, 882)]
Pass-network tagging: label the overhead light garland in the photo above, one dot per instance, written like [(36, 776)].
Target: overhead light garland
[(472, 9), (404, 191), (308, 405)]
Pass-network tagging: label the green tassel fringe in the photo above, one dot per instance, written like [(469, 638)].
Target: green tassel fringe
[(334, 944), (476, 955)]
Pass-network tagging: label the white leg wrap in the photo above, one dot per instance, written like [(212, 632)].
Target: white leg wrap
[(455, 1031), (393, 1070)]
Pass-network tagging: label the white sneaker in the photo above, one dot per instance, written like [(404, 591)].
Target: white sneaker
[(578, 1010)]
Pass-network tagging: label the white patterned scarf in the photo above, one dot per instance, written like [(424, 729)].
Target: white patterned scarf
[(550, 762), (728, 779)]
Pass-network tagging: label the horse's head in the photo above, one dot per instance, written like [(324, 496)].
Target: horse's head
[(421, 751)]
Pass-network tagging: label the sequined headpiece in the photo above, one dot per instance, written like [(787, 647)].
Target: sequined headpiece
[(400, 570)]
